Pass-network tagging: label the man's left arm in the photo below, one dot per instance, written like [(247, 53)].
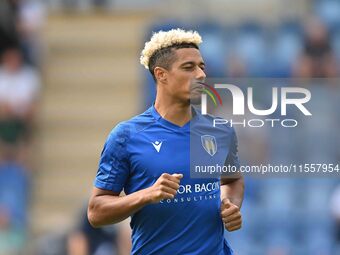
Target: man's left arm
[(232, 190)]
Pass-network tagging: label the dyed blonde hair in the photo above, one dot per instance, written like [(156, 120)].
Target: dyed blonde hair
[(163, 39)]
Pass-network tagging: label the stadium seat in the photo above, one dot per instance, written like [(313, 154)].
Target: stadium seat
[(286, 49), (251, 48), (329, 12), (213, 49)]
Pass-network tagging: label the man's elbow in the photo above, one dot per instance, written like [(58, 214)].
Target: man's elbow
[(92, 216), (238, 178)]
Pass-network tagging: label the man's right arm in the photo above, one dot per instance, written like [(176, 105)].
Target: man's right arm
[(107, 207)]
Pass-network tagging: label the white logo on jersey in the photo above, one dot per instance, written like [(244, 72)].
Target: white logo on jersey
[(157, 145)]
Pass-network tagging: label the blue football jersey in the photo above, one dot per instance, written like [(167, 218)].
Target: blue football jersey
[(137, 152)]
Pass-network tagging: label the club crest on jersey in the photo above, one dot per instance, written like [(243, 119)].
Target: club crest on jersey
[(209, 144)]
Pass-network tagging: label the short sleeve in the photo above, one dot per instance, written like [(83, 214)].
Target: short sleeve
[(114, 164), (232, 158)]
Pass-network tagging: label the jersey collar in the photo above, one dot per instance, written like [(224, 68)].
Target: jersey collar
[(159, 118)]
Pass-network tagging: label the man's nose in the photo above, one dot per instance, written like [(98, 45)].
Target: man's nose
[(200, 75)]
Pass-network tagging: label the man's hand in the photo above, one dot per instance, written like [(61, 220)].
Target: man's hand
[(165, 187), (231, 215)]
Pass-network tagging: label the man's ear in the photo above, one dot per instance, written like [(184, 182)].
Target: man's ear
[(160, 74)]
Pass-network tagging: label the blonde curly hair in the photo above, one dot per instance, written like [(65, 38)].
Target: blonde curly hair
[(163, 39)]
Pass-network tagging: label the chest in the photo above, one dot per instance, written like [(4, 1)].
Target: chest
[(152, 154)]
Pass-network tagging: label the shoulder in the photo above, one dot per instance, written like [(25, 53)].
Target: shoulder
[(215, 123), (124, 130)]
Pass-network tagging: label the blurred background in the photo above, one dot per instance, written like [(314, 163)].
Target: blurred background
[(70, 72)]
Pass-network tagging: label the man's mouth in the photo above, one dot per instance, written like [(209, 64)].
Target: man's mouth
[(197, 87)]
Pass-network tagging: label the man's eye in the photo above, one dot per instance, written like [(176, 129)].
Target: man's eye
[(188, 67)]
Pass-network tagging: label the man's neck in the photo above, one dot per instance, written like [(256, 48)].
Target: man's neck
[(174, 112)]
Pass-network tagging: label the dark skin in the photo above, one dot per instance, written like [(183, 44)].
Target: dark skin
[(174, 91), (232, 190)]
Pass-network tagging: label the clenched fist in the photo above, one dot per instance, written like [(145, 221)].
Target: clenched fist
[(231, 215), (165, 187)]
